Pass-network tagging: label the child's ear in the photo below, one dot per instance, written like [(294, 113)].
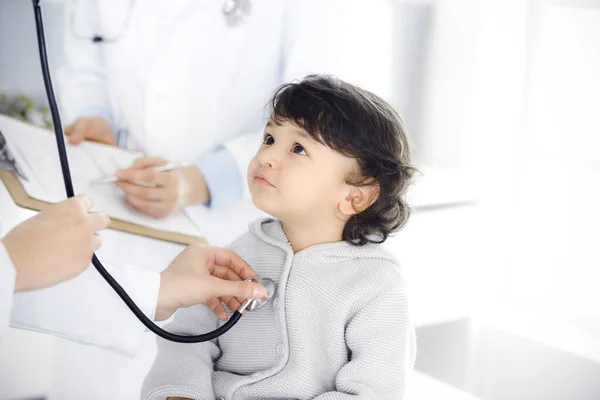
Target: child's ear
[(358, 199)]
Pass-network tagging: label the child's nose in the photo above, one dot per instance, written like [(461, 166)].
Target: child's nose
[(269, 157)]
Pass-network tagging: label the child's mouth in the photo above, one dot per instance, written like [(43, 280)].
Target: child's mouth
[(262, 181)]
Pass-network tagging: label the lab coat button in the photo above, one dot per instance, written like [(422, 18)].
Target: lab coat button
[(280, 349), (276, 303)]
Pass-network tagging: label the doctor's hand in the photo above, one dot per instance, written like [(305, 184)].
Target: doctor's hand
[(160, 194), (96, 129), (55, 245), (200, 275)]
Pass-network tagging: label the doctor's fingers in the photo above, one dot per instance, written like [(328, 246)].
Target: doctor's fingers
[(243, 289), (80, 204), (76, 132), (95, 128), (96, 242), (154, 208), (220, 257), (149, 193), (84, 128), (162, 178), (145, 162), (227, 273), (98, 221), (233, 303), (217, 307), (222, 272)]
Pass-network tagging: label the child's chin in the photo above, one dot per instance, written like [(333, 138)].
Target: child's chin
[(263, 204)]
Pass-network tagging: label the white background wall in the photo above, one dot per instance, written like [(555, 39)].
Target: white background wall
[(20, 70)]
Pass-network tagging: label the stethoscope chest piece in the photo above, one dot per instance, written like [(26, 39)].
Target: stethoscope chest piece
[(257, 304)]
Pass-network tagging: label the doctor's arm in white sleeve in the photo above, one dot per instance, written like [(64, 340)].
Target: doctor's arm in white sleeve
[(51, 247), (57, 244), (77, 309), (88, 311)]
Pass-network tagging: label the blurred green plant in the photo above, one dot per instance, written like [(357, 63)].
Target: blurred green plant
[(24, 108)]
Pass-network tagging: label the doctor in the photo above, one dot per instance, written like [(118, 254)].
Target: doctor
[(56, 246), (188, 81)]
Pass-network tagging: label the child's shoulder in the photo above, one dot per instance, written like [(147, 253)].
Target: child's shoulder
[(366, 269), (379, 268), (366, 272)]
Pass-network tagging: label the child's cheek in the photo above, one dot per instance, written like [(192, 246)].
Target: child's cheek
[(303, 192), (252, 168)]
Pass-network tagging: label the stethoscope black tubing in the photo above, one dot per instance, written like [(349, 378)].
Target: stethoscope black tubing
[(64, 163)]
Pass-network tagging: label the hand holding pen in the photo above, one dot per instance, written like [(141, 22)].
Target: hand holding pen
[(157, 168), (158, 188)]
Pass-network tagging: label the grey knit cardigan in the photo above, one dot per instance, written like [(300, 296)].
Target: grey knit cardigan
[(337, 328)]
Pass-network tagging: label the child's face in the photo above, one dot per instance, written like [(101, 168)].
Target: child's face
[(295, 178)]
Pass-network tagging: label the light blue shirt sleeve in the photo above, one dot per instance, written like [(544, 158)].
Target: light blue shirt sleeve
[(222, 177)]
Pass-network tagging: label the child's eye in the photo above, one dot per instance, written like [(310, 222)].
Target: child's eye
[(298, 149), (268, 139)]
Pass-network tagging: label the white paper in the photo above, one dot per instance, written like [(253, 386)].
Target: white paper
[(35, 151)]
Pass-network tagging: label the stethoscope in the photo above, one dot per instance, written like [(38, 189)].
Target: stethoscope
[(234, 11), (248, 305)]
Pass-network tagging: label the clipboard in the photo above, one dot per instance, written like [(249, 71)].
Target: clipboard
[(22, 199), (43, 183)]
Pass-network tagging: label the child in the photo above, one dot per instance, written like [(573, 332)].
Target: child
[(333, 169)]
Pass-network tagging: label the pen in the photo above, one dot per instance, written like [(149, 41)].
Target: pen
[(159, 168)]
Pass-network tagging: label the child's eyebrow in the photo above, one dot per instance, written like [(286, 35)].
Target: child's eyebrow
[(299, 131), (272, 123), (304, 134)]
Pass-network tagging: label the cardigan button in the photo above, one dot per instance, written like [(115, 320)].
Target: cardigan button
[(280, 349)]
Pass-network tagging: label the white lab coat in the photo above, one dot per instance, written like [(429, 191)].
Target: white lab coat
[(85, 309), (182, 81)]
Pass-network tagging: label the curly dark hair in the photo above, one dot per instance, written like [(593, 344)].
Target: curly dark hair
[(360, 125)]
